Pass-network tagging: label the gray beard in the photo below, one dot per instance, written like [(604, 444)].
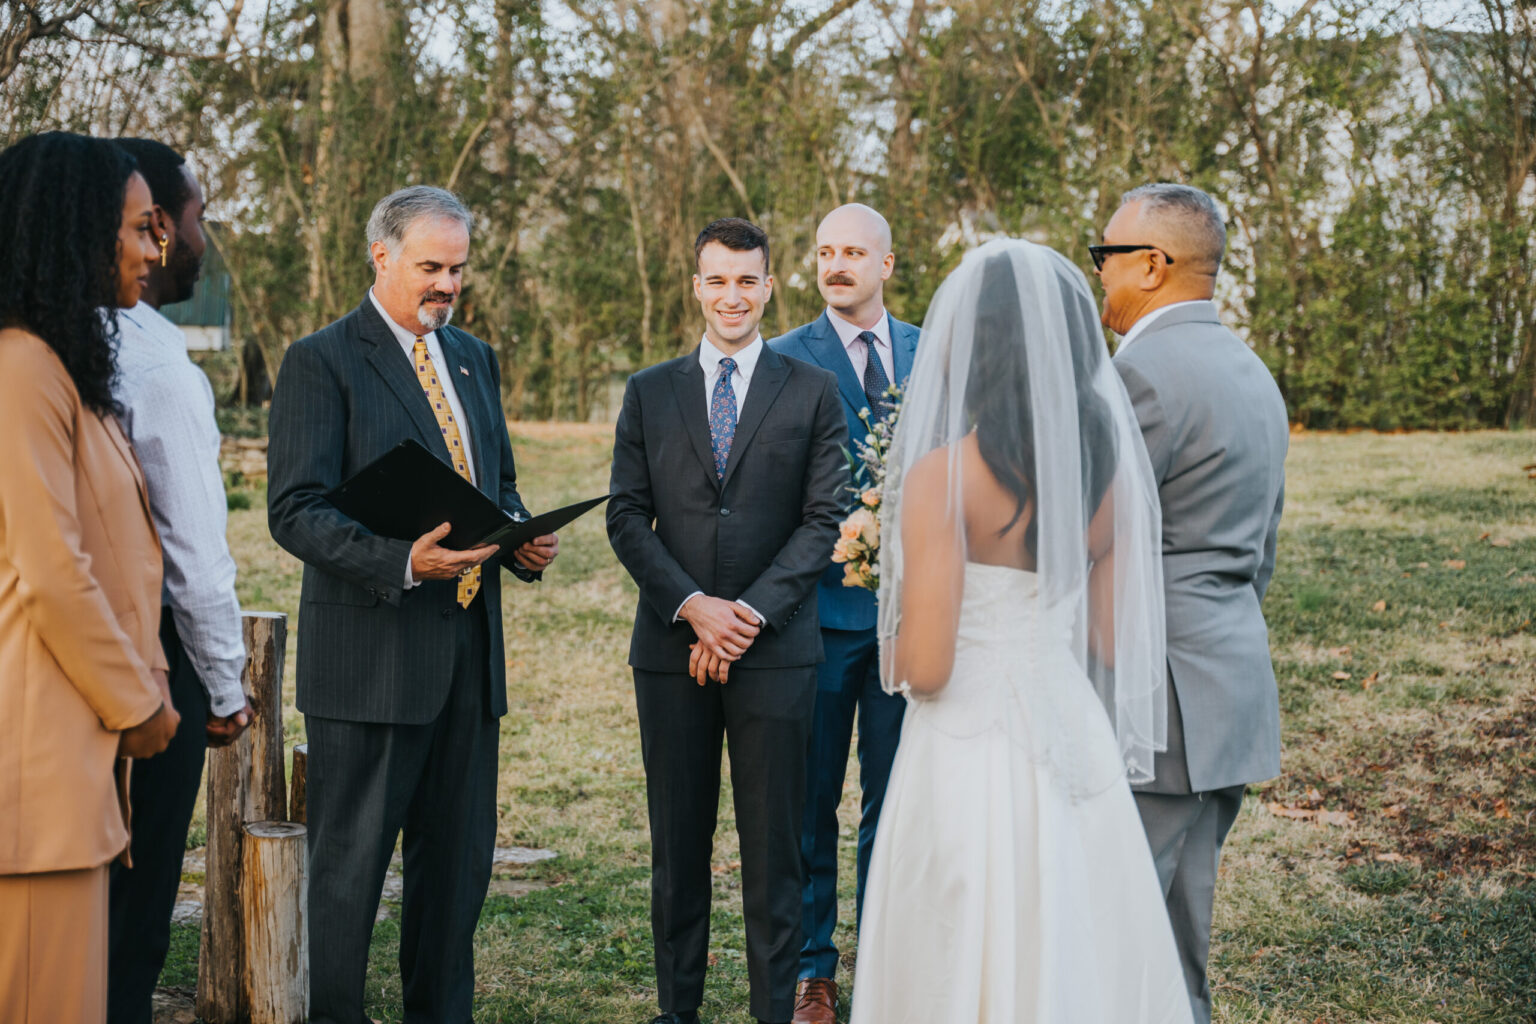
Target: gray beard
[(434, 321)]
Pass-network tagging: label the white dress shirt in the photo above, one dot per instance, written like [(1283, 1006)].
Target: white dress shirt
[(445, 376), (168, 415), (746, 362), (848, 333), (1140, 326), (407, 342)]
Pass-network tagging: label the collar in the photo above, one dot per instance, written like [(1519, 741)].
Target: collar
[(746, 359), (848, 331), (1143, 325), (403, 336)]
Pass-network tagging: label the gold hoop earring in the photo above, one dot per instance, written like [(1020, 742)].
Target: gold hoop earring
[(165, 240)]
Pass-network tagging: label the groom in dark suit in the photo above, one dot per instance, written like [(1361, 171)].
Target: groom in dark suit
[(727, 481), (400, 665), (867, 349)]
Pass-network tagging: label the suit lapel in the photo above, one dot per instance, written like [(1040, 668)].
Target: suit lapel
[(383, 352), (903, 349), (126, 453), (767, 381), (828, 351), (688, 389), (457, 359)]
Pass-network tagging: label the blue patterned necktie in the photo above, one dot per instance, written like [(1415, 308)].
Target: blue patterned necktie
[(722, 416), (876, 383)]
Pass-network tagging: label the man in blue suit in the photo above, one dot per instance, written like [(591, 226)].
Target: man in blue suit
[(867, 349)]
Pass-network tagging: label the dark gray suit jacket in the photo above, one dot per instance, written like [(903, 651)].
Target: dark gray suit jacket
[(1217, 434), (763, 535), (817, 342), (370, 650)]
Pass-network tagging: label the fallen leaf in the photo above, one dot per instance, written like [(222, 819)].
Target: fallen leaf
[(1341, 675), (1369, 681), (727, 867), (1379, 606), (1421, 565), (1500, 542), (1340, 652), (1500, 808), (1296, 813), (1394, 811), (1389, 858), (1455, 563), (1314, 798), (1338, 819), (1484, 535)]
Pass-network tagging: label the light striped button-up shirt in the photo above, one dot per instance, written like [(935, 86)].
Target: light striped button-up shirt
[(168, 415)]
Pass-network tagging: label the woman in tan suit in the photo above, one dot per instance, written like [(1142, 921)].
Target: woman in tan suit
[(82, 676)]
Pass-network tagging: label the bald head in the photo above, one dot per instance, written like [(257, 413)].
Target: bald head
[(853, 261), (855, 220), (1181, 220)]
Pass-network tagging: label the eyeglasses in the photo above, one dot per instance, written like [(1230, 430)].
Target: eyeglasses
[(1101, 252)]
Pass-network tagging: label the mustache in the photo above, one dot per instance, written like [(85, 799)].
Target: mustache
[(839, 279), (436, 296)]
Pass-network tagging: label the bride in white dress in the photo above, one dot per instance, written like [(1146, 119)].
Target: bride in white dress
[(1021, 612)]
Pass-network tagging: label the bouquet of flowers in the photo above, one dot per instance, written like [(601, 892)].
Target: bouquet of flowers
[(858, 544)]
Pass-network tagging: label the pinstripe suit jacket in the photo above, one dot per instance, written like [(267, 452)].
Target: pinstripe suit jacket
[(370, 650)]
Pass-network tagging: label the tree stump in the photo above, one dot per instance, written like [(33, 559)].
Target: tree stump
[(273, 889), (245, 783), (298, 783)]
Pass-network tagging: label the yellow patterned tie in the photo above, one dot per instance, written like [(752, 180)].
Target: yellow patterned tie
[(469, 582)]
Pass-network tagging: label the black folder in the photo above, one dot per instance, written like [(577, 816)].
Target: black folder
[(408, 491)]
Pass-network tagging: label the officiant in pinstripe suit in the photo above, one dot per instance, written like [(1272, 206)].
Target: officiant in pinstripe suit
[(400, 664)]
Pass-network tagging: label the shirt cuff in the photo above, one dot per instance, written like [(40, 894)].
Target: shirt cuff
[(760, 620), (410, 581), (677, 615)]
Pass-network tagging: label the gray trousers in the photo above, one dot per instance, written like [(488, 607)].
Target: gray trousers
[(1186, 831)]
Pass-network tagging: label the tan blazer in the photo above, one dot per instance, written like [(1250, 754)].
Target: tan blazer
[(79, 615)]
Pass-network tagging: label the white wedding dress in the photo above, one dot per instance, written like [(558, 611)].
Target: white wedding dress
[(1011, 882)]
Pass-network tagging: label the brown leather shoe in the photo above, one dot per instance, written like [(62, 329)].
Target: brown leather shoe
[(816, 1001)]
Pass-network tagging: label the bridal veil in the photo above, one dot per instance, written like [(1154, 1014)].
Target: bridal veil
[(1012, 351)]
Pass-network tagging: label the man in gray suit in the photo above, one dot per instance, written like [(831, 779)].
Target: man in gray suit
[(401, 674), (1216, 431)]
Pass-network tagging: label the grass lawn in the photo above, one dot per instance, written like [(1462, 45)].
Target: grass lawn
[(1389, 875)]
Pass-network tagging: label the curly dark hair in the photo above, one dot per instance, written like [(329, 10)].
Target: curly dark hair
[(61, 206)]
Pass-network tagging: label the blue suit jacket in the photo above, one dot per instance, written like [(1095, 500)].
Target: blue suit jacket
[(817, 343)]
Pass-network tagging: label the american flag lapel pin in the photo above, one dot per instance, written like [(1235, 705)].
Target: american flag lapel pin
[(464, 370)]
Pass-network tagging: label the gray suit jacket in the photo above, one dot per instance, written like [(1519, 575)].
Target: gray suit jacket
[(761, 535), (1217, 433), (370, 650)]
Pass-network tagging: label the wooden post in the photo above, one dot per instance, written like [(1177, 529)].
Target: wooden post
[(245, 783), (272, 890), (298, 783), (266, 640)]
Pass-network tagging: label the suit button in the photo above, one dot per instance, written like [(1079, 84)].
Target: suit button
[(447, 612), (725, 512)]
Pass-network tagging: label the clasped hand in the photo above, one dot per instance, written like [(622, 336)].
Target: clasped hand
[(431, 561), (153, 734), (725, 630)]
